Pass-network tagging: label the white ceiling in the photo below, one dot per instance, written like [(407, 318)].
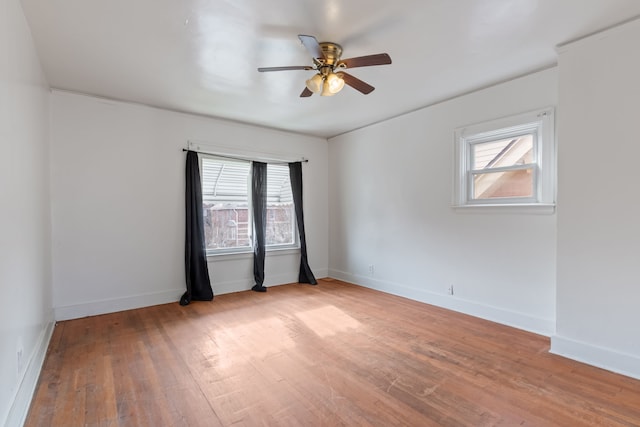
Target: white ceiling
[(200, 56)]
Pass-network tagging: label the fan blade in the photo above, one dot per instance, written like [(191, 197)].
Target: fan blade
[(367, 61), (357, 84), (293, 67), (312, 45), (306, 93)]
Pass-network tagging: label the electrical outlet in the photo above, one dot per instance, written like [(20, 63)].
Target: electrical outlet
[(450, 290), (372, 269)]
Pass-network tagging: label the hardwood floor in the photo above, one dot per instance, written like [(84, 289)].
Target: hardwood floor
[(329, 355)]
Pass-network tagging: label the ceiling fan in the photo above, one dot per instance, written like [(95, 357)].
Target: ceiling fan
[(330, 78)]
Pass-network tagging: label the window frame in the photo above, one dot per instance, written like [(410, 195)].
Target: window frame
[(541, 125), (294, 218), (244, 250)]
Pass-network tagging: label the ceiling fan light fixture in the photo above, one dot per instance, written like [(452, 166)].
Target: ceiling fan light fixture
[(315, 83), (326, 91), (329, 78), (335, 82)]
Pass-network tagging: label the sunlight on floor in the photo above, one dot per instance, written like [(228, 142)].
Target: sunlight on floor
[(328, 320), (254, 338)]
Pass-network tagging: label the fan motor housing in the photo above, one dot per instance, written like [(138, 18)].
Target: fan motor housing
[(332, 52)]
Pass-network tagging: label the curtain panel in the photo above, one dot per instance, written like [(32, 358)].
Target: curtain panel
[(195, 255), (295, 174), (259, 206)]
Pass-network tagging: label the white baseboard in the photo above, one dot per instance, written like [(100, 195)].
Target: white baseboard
[(320, 273), (220, 288), (113, 305), (20, 407), (605, 358), (522, 321)]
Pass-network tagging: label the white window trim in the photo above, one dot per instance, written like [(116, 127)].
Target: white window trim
[(270, 252), (542, 124), (282, 249), (243, 251)]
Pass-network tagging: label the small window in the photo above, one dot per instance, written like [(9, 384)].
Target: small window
[(507, 162), (226, 202)]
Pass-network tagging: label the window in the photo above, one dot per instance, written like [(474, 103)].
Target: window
[(281, 230), (507, 162), (226, 201)]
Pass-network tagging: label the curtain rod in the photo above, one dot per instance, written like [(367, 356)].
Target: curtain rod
[(247, 159)]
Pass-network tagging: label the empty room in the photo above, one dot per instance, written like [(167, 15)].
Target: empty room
[(319, 213)]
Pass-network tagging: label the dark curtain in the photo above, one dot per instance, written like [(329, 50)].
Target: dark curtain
[(295, 174), (195, 255), (259, 204)]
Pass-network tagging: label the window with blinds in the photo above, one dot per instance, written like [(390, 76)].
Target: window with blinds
[(226, 200), (280, 210)]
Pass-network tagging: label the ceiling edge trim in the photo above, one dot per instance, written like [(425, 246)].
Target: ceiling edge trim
[(451, 98), (187, 113), (604, 32)]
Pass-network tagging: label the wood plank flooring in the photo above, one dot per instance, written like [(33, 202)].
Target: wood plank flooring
[(329, 355)]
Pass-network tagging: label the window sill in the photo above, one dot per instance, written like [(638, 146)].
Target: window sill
[(229, 256), (533, 208)]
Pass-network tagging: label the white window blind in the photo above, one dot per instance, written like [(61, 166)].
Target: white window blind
[(226, 199)]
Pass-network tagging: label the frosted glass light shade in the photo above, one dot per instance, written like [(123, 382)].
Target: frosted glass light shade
[(325, 89), (314, 84), (333, 84), (336, 83)]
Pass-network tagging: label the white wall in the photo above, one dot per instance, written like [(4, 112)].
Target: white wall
[(25, 286), (598, 302), (391, 187), (117, 173)]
